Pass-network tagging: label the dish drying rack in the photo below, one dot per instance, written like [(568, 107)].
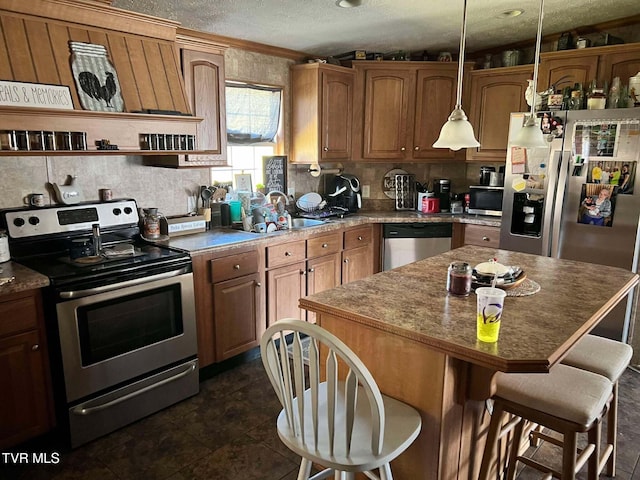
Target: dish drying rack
[(405, 192)]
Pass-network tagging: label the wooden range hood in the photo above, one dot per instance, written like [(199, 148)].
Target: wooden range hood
[(34, 48)]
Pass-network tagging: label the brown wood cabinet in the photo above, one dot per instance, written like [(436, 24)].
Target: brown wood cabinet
[(321, 113), (481, 235), (286, 280), (204, 78), (602, 64), (494, 94), (26, 405), (358, 255), (302, 268), (35, 43), (229, 303), (400, 109)]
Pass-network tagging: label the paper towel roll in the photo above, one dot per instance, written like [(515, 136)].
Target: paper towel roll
[(315, 170)]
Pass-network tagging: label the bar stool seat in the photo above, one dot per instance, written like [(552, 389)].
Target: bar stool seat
[(608, 358), (567, 400), (600, 355)]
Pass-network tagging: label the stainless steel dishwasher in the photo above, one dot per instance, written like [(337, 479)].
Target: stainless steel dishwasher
[(409, 242)]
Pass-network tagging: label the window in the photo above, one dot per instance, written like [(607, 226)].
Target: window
[(253, 123)]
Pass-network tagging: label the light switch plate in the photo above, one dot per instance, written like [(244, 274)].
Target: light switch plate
[(365, 191)]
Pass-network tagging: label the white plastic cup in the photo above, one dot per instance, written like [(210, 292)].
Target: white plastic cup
[(490, 303)]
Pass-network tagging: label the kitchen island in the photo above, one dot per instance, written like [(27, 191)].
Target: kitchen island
[(420, 343)]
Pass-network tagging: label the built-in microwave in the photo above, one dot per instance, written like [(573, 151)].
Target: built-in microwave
[(485, 200)]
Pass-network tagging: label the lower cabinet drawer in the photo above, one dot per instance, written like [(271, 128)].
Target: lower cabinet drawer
[(324, 245), (357, 237), (233, 266), (286, 253), (482, 235)]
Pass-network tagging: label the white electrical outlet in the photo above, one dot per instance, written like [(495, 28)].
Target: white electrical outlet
[(365, 191)]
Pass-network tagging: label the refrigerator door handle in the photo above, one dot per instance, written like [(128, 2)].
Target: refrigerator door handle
[(558, 202)]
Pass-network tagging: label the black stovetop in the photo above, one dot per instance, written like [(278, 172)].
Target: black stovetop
[(147, 259)]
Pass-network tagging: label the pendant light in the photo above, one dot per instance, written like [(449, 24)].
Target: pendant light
[(530, 135), (457, 132)]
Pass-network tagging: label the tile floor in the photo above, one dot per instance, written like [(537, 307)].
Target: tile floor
[(227, 432)]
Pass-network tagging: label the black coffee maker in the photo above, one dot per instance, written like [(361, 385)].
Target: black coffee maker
[(345, 193)]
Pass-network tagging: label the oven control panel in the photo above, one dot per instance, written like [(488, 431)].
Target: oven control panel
[(74, 218)]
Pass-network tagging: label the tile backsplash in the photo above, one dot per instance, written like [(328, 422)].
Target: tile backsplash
[(461, 175), (166, 189)]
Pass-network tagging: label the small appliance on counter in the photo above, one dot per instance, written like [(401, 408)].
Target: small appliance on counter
[(485, 200), (428, 202), (346, 193), (442, 188)]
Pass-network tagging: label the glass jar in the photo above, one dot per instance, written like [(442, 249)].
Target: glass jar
[(5, 256), (459, 278), (151, 223)]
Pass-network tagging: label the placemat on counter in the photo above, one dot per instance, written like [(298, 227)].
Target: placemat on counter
[(527, 287)]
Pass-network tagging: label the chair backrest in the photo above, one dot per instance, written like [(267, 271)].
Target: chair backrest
[(287, 375)]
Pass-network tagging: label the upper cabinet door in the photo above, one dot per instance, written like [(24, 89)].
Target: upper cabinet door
[(204, 80), (388, 113), (435, 99), (495, 94), (337, 114), (321, 113), (623, 62), (566, 69)]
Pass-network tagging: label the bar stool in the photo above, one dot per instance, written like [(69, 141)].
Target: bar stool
[(566, 400), (608, 358)]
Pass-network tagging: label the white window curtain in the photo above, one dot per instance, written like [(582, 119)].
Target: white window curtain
[(253, 113)]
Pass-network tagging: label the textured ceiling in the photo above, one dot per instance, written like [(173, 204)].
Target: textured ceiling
[(321, 28)]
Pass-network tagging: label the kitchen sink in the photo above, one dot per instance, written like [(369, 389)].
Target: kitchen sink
[(305, 222)]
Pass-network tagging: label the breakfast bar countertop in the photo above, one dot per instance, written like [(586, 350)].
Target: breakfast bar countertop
[(536, 331)]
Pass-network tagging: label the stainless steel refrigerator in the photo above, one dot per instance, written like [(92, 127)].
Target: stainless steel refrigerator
[(579, 197)]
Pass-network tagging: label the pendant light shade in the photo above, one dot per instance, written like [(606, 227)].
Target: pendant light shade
[(457, 132), (530, 135)]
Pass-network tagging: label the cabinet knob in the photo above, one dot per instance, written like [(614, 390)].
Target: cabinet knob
[(35, 347), (346, 260), (287, 254), (311, 270), (326, 149), (236, 267), (486, 239), (258, 284), (416, 148), (402, 149), (302, 272), (325, 245), (360, 237)]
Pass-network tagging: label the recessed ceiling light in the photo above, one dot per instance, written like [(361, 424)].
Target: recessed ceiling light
[(511, 13), (349, 3)]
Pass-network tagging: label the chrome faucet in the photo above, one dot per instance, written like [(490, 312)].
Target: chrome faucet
[(95, 239)]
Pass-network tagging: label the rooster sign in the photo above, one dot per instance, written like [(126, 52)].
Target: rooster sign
[(96, 78)]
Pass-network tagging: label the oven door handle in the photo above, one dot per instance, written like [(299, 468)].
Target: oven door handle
[(88, 411), (129, 283)]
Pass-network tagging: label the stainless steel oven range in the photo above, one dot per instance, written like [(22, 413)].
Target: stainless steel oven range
[(120, 313)]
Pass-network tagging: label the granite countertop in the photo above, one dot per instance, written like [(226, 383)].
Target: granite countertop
[(536, 331), (229, 239), (24, 278)]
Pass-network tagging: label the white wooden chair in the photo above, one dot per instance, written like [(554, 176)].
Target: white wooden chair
[(346, 426)]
